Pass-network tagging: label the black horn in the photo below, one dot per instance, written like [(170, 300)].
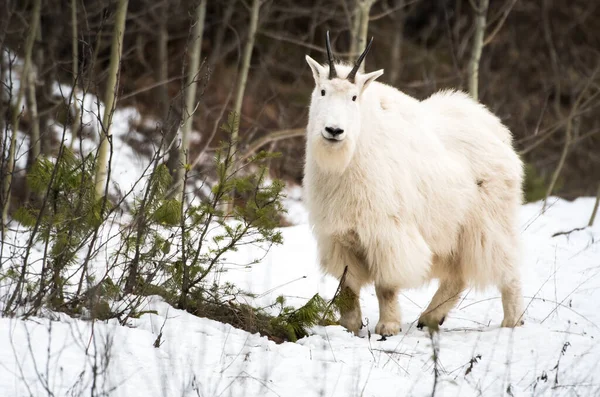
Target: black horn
[(332, 71), (360, 59)]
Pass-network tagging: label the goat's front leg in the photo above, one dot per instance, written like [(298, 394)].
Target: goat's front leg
[(389, 311), (350, 313), (343, 263), (398, 258)]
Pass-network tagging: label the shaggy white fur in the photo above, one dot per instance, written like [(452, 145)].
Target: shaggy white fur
[(410, 191)]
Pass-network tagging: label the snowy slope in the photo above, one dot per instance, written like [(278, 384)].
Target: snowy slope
[(556, 353)]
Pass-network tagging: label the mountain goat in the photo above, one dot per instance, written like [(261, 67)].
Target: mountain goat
[(401, 191)]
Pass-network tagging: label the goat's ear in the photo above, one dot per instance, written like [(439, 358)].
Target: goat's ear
[(365, 79), (317, 69)]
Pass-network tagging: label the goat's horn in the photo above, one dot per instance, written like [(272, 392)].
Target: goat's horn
[(332, 71), (362, 56)]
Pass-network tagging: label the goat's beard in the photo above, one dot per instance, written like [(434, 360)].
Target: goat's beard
[(331, 157)]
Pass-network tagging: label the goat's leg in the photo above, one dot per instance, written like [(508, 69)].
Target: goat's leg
[(348, 300), (350, 313), (442, 302), (512, 303), (389, 311), (340, 261), (398, 257)]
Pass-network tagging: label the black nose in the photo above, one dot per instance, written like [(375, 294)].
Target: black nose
[(334, 130)]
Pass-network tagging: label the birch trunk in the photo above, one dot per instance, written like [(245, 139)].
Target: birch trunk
[(397, 41), (361, 43), (571, 131), (10, 163), (239, 96), (110, 96), (243, 77), (168, 120), (190, 99), (572, 125), (480, 18), (75, 66), (355, 32), (34, 143)]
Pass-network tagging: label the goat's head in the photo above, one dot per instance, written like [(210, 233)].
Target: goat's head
[(334, 121)]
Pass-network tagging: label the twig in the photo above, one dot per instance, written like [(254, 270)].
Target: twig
[(272, 137), (577, 229), (337, 293), (595, 210)]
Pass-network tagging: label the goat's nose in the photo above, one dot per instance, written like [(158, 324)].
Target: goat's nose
[(335, 131)]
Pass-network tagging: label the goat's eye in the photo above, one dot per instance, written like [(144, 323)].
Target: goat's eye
[(354, 98), (322, 92)]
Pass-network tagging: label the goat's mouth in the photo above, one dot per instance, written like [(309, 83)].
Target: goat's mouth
[(333, 140)]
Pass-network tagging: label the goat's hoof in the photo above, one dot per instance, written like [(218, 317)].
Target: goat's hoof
[(425, 320), (388, 328), (351, 322), (511, 323)]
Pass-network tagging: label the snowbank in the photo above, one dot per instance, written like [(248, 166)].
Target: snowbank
[(556, 352)]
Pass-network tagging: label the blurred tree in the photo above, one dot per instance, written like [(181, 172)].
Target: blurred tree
[(16, 112), (480, 15), (75, 67), (110, 96), (190, 99)]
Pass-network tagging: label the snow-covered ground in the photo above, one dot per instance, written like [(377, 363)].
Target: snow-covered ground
[(556, 353)]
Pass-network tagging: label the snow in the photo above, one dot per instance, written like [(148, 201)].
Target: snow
[(296, 213), (555, 353), (128, 167)]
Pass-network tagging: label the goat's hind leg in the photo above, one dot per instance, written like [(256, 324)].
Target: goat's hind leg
[(510, 288), (442, 302), (512, 303)]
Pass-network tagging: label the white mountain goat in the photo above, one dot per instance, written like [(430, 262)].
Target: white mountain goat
[(401, 191)]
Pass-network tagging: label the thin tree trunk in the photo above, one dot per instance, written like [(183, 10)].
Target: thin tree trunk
[(35, 143), (4, 21), (75, 66), (32, 107), (572, 129), (110, 96), (3, 97), (190, 99), (245, 67), (10, 163), (168, 124), (241, 87), (396, 50), (595, 210), (162, 67), (355, 32), (46, 63), (361, 43), (573, 124), (480, 18)]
